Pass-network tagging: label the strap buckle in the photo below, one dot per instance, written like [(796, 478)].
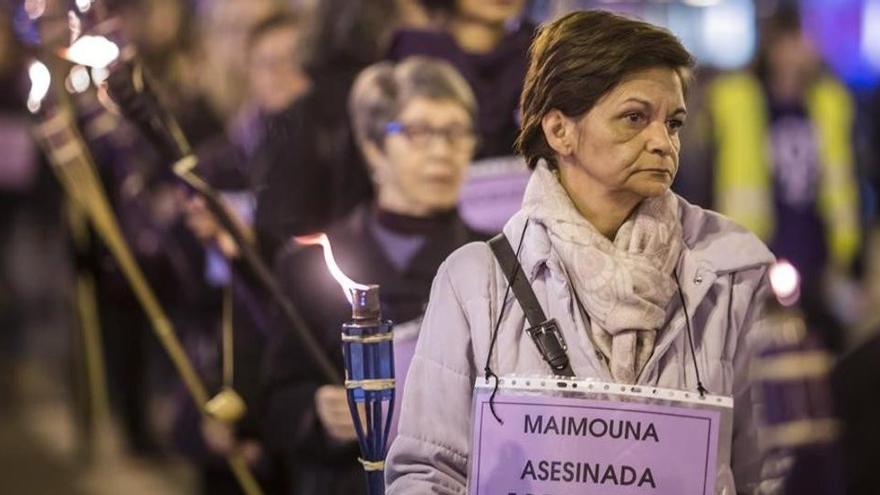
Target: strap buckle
[(551, 344)]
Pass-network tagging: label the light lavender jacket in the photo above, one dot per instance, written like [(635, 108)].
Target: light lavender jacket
[(722, 271)]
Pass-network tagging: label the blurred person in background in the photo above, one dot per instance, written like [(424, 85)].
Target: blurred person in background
[(275, 73), (856, 373), (232, 165), (314, 171), (414, 123), (487, 41), (414, 14), (698, 152), (871, 143), (276, 79), (872, 252), (169, 44), (146, 199), (784, 163), (224, 26), (29, 199), (206, 441), (17, 171)]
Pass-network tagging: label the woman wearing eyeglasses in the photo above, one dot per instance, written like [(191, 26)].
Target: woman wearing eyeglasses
[(414, 123)]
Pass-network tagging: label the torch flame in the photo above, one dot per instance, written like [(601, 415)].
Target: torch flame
[(83, 5), (92, 51), (346, 283), (40, 81), (785, 282)]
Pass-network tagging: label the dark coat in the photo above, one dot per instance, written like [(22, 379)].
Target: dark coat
[(317, 464), (496, 78), (855, 382), (311, 170)]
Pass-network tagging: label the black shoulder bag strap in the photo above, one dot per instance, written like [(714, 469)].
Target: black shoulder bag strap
[(545, 333)]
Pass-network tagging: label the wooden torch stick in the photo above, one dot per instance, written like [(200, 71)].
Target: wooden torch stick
[(72, 163)]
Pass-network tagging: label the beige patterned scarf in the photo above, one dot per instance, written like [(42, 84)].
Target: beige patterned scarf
[(624, 285)]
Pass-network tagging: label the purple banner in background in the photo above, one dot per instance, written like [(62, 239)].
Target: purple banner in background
[(551, 445)]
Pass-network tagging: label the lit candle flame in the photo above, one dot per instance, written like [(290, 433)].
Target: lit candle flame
[(40, 81), (78, 80), (83, 5), (346, 283), (92, 51)]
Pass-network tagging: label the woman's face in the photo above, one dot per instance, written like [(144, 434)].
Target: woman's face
[(627, 145), (793, 58), (157, 25), (276, 76), (489, 11), (423, 164)]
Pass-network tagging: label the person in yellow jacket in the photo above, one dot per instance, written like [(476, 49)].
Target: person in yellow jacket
[(784, 163)]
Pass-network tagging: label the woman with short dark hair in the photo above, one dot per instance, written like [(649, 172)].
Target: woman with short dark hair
[(609, 251)]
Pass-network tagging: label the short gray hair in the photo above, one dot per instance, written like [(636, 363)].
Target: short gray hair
[(382, 90)]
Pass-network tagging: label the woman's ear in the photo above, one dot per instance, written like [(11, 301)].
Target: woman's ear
[(377, 163), (559, 131)]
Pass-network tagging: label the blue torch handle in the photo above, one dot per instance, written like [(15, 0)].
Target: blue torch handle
[(369, 380)]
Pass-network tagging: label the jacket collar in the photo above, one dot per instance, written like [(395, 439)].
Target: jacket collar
[(714, 246)]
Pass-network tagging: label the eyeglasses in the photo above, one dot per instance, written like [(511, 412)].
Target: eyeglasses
[(421, 135)]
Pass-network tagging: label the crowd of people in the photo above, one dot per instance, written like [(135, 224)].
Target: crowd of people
[(362, 119)]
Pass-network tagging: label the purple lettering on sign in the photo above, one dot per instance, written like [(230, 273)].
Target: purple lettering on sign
[(573, 446)]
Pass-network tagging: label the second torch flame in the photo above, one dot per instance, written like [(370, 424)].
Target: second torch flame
[(348, 285)]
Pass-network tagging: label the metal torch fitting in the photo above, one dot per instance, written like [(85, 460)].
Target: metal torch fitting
[(365, 303)]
